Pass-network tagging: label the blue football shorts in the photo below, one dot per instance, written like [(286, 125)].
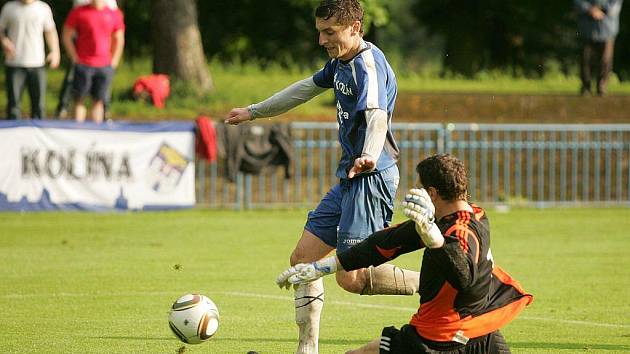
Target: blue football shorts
[(355, 208)]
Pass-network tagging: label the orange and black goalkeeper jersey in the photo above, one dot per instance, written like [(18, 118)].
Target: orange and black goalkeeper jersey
[(462, 293)]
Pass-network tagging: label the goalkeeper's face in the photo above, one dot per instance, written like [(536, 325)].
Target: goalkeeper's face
[(340, 41)]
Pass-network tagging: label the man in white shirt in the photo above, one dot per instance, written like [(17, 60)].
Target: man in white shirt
[(23, 26)]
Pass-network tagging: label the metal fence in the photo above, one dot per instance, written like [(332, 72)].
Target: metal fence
[(515, 164)]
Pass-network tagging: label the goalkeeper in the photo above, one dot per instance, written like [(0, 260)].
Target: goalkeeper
[(464, 297)]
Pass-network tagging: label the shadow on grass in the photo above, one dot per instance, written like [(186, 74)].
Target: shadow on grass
[(577, 346)]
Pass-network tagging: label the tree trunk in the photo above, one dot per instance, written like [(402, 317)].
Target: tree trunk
[(177, 47)]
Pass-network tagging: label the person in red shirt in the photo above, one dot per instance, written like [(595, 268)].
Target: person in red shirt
[(94, 37), (465, 298)]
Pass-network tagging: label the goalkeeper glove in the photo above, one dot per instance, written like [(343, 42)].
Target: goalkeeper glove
[(419, 208), (307, 272)]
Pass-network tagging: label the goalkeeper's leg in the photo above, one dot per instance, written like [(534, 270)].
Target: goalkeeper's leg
[(386, 279)]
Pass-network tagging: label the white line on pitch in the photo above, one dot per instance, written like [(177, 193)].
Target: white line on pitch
[(413, 310), (286, 298)]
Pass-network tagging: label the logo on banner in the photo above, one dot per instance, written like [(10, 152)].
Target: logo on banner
[(166, 169)]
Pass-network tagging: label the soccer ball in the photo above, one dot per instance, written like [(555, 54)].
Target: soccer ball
[(194, 318)]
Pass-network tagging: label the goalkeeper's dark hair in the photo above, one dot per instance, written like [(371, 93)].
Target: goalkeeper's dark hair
[(447, 174), (347, 11)]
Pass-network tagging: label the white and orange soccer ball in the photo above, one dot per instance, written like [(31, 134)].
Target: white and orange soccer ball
[(193, 318)]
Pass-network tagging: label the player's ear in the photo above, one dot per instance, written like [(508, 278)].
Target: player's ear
[(356, 27), (433, 193)]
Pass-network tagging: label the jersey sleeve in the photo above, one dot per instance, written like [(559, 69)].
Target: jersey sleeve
[(325, 78), (3, 16), (381, 246), (120, 21), (371, 79), (582, 6), (71, 20), (49, 22)]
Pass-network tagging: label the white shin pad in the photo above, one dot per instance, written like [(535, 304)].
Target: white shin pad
[(387, 279), (309, 301)]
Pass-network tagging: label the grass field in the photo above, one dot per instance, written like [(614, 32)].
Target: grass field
[(103, 283)]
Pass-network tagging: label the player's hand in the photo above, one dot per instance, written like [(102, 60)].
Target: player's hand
[(53, 58), (597, 13), (418, 207), (115, 63), (361, 165), (299, 274), (238, 116), (8, 48), (307, 272)]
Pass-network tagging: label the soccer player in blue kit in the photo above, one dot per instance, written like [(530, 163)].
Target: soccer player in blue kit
[(363, 201)]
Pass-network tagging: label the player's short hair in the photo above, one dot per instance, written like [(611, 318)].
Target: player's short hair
[(447, 174), (347, 11)]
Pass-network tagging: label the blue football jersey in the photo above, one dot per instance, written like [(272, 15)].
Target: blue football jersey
[(364, 82)]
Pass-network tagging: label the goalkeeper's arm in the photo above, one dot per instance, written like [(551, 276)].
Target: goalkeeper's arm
[(377, 249)]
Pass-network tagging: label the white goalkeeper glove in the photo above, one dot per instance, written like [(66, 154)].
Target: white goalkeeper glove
[(419, 208), (307, 272)]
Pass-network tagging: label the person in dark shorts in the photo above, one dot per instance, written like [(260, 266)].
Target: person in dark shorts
[(65, 94), (93, 36), (465, 298), (23, 27)]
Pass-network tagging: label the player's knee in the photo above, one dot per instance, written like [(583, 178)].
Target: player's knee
[(298, 256), (350, 283)]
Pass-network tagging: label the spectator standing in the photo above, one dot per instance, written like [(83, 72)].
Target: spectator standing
[(65, 95), (598, 25), (23, 26), (93, 36)]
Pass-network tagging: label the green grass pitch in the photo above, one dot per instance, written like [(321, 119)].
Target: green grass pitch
[(103, 283)]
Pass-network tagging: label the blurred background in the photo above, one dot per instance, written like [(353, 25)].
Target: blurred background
[(452, 48)]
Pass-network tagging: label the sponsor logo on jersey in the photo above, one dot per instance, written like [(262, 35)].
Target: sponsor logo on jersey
[(342, 87)]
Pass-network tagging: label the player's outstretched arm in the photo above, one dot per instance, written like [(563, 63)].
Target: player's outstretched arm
[(307, 272), (279, 103), (419, 208)]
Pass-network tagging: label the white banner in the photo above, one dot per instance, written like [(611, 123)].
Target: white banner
[(50, 165)]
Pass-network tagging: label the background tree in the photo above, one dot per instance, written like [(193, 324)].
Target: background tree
[(520, 36), (465, 36), (177, 47)]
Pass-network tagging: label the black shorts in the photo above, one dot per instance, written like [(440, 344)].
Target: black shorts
[(407, 341), (92, 80)]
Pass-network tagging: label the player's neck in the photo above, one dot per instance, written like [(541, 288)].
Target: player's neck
[(98, 5), (356, 49), (444, 208)]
